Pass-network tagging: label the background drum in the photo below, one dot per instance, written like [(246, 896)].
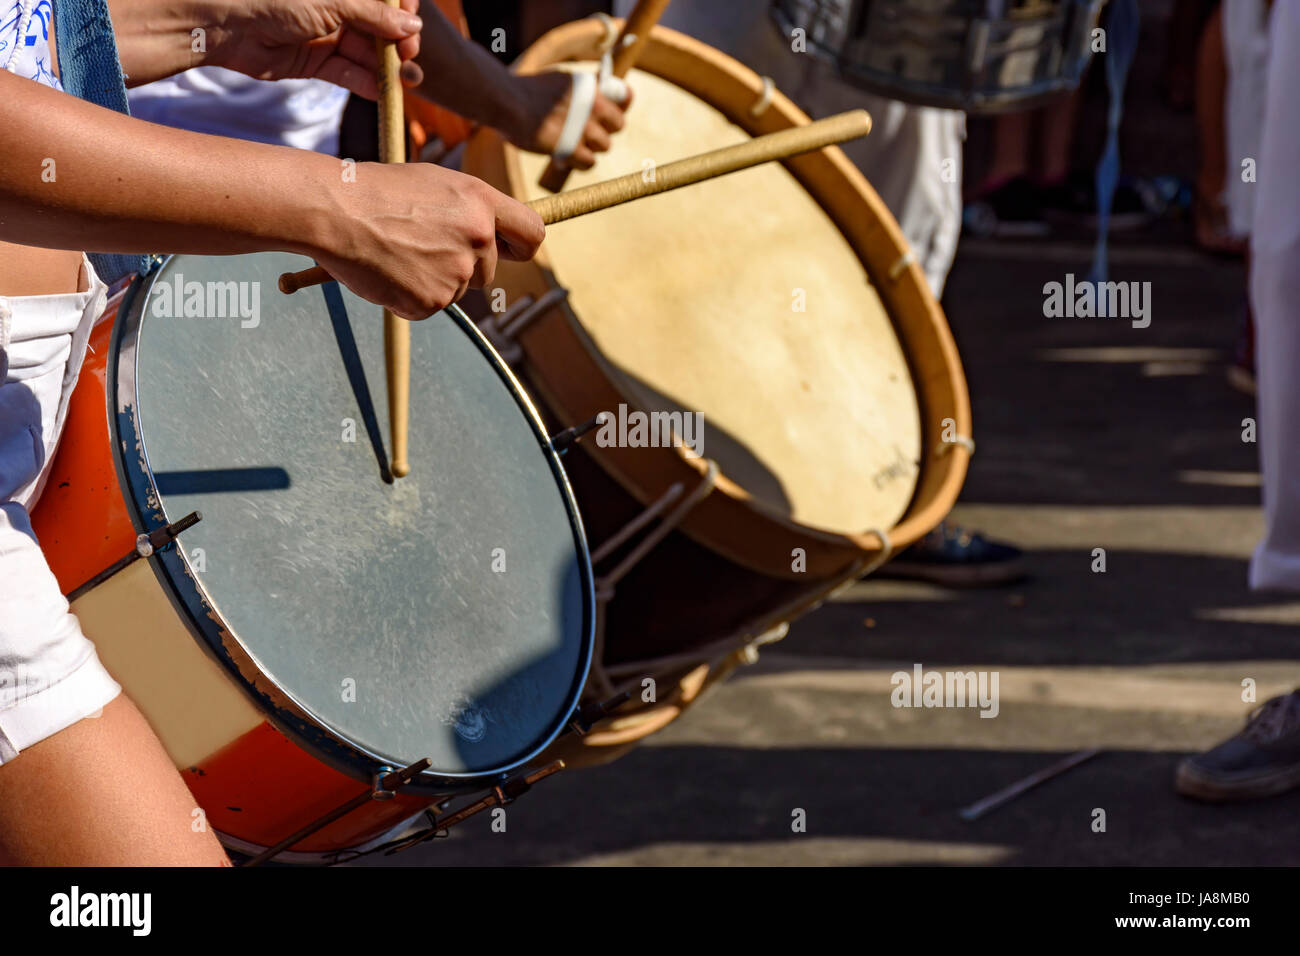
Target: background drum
[(980, 56), (783, 305), (319, 623)]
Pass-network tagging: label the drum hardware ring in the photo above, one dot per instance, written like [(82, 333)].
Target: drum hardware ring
[(886, 552), (561, 441), (387, 782), (588, 715), (965, 441), (764, 99), (146, 545), (906, 259), (504, 793)]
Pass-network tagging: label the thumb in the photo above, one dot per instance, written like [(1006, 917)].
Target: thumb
[(379, 19)]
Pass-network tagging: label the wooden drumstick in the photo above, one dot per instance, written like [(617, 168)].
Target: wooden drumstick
[(397, 331), (638, 25), (684, 172)]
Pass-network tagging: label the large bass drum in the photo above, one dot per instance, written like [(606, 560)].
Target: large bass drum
[(321, 623), (775, 321)]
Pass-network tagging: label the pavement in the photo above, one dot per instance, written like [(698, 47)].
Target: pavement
[(1091, 434)]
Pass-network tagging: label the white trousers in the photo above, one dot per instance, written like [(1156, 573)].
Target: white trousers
[(50, 676), (1245, 47), (1275, 298)]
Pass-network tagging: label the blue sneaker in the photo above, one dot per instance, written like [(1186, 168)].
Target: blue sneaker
[(953, 557)]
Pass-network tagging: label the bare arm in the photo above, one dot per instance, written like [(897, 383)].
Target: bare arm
[(411, 237), (462, 76), (267, 39)]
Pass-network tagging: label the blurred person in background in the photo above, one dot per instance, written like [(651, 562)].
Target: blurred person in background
[(1264, 758)]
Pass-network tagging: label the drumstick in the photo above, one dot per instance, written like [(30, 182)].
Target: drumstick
[(638, 25), (684, 172), (397, 331)]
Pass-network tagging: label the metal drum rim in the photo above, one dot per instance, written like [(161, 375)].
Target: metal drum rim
[(289, 715), (934, 96)]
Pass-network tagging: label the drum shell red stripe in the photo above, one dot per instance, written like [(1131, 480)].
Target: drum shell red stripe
[(81, 520), (263, 786)]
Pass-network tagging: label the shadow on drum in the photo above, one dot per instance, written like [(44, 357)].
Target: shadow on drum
[(526, 690), (733, 456), (215, 480), (356, 372)]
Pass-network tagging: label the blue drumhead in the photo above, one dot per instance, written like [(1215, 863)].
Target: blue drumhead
[(446, 614)]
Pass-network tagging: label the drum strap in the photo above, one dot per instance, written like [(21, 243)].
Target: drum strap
[(89, 69), (1122, 36), (582, 98)]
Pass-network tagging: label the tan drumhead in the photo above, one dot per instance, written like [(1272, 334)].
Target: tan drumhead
[(740, 299)]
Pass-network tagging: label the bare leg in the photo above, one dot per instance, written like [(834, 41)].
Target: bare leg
[(1010, 147), (102, 792), (1057, 136), (1211, 87), (1211, 213)]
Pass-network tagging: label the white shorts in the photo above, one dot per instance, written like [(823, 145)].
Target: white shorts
[(50, 676)]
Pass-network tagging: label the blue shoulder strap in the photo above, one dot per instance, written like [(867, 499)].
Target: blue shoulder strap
[(1123, 26), (89, 69)]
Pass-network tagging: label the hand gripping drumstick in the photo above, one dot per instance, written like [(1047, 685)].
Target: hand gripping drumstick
[(684, 172), (637, 26), (397, 331)]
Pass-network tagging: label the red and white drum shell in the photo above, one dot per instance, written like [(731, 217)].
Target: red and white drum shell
[(259, 761)]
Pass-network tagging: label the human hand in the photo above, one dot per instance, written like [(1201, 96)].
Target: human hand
[(331, 40), (415, 236), (542, 102)]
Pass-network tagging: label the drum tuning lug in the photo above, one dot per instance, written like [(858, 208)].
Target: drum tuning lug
[(594, 711), (146, 546), (149, 544), (507, 791), (561, 441), (378, 790), (387, 782)]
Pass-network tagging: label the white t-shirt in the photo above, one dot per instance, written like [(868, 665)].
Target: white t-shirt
[(209, 99)]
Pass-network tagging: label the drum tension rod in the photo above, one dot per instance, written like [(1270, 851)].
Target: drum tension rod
[(594, 711), (146, 545), (506, 792), (561, 441), (385, 787)]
